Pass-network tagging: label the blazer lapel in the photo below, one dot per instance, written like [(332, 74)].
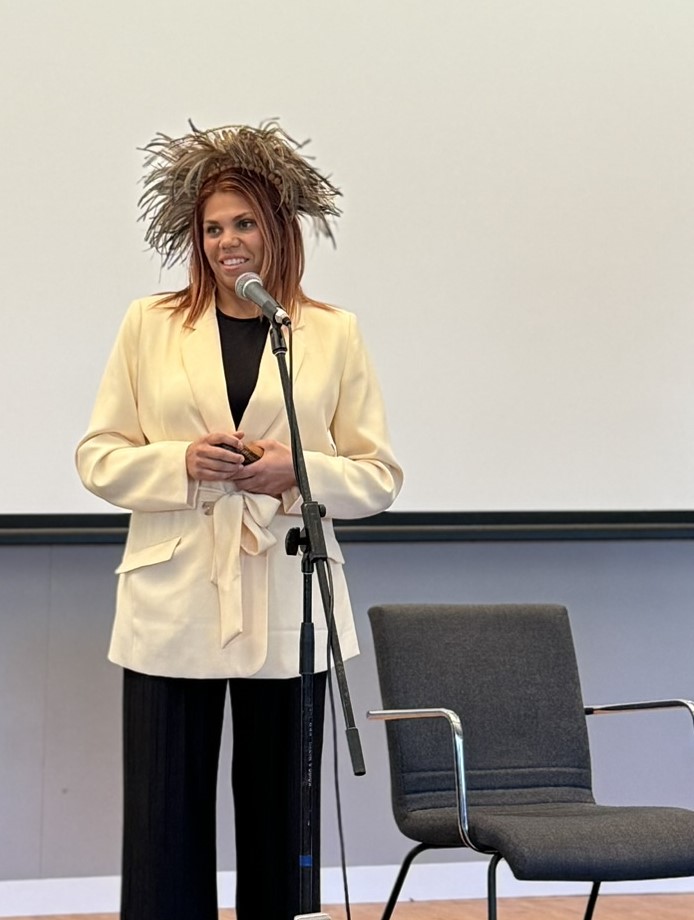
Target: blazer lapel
[(201, 352), (266, 404)]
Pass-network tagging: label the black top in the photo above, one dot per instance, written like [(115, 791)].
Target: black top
[(243, 341)]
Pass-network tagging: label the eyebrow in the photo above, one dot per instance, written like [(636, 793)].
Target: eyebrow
[(242, 216)]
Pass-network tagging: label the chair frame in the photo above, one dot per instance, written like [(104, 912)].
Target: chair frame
[(458, 749)]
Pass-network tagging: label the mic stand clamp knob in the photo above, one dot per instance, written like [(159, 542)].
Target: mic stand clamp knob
[(292, 541)]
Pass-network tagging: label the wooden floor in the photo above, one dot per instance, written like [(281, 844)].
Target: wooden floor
[(609, 907)]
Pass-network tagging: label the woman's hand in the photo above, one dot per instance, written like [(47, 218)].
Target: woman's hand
[(272, 474), (207, 461)]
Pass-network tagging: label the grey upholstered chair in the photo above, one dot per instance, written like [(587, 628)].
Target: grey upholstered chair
[(488, 749)]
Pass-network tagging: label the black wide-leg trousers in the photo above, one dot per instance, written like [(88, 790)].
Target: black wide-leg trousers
[(172, 730)]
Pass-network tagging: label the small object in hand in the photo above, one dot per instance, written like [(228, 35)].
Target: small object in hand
[(250, 455)]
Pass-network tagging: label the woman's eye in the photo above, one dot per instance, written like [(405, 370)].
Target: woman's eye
[(212, 231), (246, 224)]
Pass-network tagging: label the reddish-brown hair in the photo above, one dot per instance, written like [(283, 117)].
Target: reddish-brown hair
[(283, 257)]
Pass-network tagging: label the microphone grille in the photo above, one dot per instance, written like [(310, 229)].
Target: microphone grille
[(243, 281)]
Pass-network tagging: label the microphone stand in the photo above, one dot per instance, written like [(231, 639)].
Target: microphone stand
[(311, 540)]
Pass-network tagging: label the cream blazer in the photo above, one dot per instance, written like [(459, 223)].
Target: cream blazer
[(205, 586)]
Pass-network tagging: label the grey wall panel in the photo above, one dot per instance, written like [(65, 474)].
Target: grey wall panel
[(631, 609), (24, 607), (83, 749)]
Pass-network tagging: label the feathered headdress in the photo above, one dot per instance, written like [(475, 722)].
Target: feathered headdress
[(178, 166)]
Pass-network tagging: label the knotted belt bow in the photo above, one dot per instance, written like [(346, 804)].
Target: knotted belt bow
[(240, 521)]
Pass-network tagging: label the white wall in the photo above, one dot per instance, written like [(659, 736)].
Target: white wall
[(517, 234)]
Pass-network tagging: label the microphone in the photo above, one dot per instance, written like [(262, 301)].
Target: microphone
[(250, 287)]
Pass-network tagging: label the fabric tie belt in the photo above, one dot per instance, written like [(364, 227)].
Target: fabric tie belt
[(240, 521)]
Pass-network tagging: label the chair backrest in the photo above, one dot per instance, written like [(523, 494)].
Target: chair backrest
[(510, 673)]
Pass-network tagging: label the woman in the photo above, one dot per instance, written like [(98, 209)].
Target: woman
[(208, 598)]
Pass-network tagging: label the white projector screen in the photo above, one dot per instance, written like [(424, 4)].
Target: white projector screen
[(517, 237)]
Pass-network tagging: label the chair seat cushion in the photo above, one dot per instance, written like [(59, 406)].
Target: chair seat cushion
[(570, 842), (589, 842)]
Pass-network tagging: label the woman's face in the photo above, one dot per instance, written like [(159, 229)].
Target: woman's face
[(233, 245)]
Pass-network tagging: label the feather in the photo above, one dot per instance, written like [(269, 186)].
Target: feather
[(176, 168)]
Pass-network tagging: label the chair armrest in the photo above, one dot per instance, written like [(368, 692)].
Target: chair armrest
[(458, 754), (608, 708)]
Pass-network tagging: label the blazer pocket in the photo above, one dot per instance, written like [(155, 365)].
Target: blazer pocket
[(148, 555)]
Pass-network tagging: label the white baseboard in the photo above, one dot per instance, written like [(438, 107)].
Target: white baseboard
[(367, 884)]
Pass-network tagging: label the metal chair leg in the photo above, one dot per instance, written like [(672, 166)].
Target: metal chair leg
[(594, 892), (491, 886), (399, 881)]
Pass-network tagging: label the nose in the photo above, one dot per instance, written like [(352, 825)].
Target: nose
[(229, 239)]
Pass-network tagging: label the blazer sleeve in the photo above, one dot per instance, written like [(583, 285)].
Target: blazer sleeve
[(114, 459), (363, 477)]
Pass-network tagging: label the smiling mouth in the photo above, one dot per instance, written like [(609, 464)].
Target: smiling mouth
[(233, 263)]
